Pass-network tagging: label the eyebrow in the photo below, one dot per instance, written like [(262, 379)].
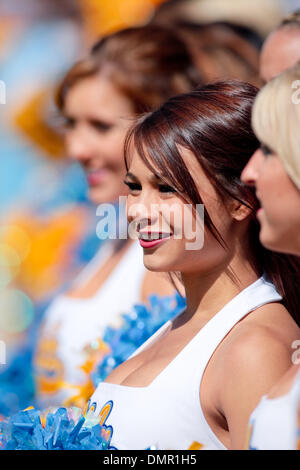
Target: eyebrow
[(89, 118), (101, 120), (153, 177), (131, 175)]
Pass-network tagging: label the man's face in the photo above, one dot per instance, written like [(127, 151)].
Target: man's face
[(281, 51)]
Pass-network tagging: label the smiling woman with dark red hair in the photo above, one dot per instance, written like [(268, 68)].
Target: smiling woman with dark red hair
[(126, 73), (199, 377)]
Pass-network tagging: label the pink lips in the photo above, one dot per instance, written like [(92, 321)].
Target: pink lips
[(152, 243), (96, 177)]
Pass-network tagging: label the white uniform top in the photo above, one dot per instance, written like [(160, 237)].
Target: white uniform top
[(73, 326), (273, 425), (167, 414)]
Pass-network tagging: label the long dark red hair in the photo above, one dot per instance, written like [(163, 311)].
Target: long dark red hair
[(214, 123)]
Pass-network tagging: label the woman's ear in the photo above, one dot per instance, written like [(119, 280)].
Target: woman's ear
[(238, 210)]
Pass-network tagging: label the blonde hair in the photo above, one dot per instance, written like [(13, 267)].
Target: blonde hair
[(276, 119)]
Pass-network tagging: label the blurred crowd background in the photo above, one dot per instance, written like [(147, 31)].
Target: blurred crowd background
[(47, 228)]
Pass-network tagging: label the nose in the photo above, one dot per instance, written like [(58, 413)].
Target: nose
[(142, 211), (77, 146), (251, 171)]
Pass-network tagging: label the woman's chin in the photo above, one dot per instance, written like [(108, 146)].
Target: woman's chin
[(154, 265), (154, 268), (270, 241), (157, 263), (101, 195)]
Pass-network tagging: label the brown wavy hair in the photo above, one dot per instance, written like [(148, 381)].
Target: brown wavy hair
[(214, 123), (220, 52), (147, 64)]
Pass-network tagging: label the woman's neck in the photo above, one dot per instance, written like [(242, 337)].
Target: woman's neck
[(207, 293)]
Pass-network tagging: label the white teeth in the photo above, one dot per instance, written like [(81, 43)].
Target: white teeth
[(165, 235), (149, 237), (153, 236)]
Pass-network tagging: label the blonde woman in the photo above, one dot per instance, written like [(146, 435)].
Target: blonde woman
[(274, 170)]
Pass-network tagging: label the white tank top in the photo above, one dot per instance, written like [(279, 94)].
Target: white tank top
[(73, 328), (274, 425), (167, 414)]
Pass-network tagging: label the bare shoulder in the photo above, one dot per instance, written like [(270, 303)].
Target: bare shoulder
[(265, 334), (249, 361), (258, 350)]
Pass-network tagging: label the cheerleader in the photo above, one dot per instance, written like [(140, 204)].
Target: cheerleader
[(274, 171), (126, 73), (195, 382)]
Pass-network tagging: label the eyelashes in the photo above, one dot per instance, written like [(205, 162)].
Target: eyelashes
[(100, 126), (69, 123), (163, 188), (133, 186), (266, 150)]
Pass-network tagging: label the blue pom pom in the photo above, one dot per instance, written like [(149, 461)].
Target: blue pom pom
[(68, 429), (64, 429), (137, 326)]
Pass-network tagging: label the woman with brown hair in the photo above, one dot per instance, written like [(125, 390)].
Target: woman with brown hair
[(126, 73), (196, 381)]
